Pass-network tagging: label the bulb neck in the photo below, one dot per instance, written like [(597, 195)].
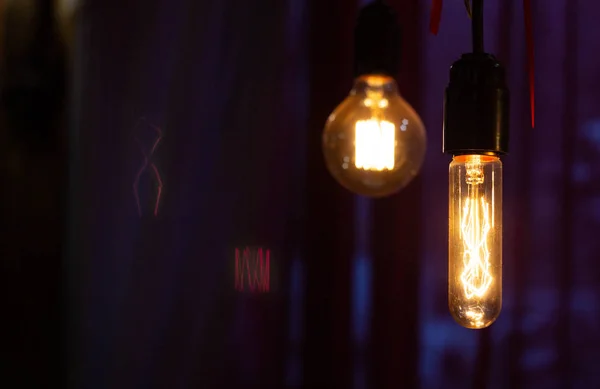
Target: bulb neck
[(483, 153), (476, 107), (377, 41), (470, 157), (373, 83)]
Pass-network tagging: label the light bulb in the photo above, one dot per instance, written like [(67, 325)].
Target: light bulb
[(476, 118), (475, 240), (374, 142)]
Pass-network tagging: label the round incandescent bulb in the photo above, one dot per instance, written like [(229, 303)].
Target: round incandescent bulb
[(374, 142), (475, 240)]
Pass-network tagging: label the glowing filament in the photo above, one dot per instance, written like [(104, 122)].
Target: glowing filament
[(475, 227), (375, 145)]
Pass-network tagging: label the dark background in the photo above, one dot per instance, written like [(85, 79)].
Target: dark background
[(97, 295)]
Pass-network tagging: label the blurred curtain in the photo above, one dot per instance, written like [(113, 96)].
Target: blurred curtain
[(155, 297), (153, 300), (239, 95)]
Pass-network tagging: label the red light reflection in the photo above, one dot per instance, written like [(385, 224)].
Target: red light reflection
[(148, 164), (252, 270)]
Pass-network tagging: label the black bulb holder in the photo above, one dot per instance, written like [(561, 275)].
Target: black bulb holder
[(377, 41), (476, 107)]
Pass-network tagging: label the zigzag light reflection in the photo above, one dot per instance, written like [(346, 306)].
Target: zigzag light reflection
[(147, 163), (252, 270), (475, 227)]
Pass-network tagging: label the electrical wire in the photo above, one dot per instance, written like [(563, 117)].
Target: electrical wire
[(477, 25)]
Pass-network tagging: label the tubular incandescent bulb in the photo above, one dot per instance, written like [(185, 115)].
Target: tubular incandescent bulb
[(475, 240), (374, 142), (476, 132)]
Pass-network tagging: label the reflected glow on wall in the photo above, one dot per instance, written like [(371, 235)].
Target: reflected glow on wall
[(252, 270), (148, 148)]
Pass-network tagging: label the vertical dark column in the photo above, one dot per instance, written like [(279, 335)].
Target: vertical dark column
[(517, 197), (483, 360), (73, 266), (31, 198), (262, 154), (295, 110), (329, 218), (396, 244), (569, 133)]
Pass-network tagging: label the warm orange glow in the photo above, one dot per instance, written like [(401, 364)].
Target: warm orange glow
[(375, 138), (478, 158), (475, 240), (475, 227), (374, 142), (375, 145), (376, 79)]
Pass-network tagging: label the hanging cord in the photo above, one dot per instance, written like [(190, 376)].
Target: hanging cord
[(476, 12), (436, 16), (531, 63)]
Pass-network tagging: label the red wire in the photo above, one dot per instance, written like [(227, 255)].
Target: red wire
[(435, 16), (529, 39)]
